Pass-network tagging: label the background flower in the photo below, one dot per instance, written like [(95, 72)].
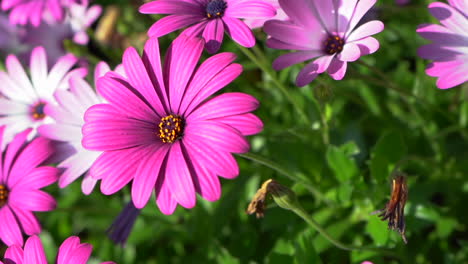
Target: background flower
[(32, 11), (280, 15), (25, 99), (323, 30), (23, 177), (70, 252), (449, 47), (150, 131), (208, 18)]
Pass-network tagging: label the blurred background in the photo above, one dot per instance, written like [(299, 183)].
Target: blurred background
[(386, 112)]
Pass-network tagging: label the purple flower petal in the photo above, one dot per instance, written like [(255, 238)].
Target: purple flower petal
[(250, 9), (34, 252), (213, 35), (239, 32), (290, 59), (32, 200), (166, 203), (10, 232), (337, 69), (368, 29), (172, 23), (247, 124), (311, 70), (171, 7), (29, 223)]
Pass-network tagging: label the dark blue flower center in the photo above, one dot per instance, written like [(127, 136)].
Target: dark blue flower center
[(37, 111), (215, 8), (3, 195), (333, 44), (171, 128)]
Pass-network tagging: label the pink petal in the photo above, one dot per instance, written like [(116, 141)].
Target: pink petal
[(337, 69), (178, 177), (60, 132), (220, 162), (195, 30), (216, 83), (152, 60), (35, 153), (13, 150), (213, 35), (88, 184), (250, 9), (92, 14), (361, 8), (75, 166), (139, 79), (124, 98), (14, 91), (178, 69), (365, 30), (247, 124), (146, 176), (117, 176), (449, 17), (15, 254), (80, 254), (38, 67), (239, 32), (351, 52), (32, 200), (311, 70), (165, 201), (278, 44), (66, 249), (290, 59), (28, 221), (326, 13), (34, 252), (367, 45), (221, 136), (10, 107), (205, 181), (39, 177), (292, 34), (10, 232), (226, 104), (172, 23), (301, 11), (17, 73), (57, 74), (440, 34), (171, 7)]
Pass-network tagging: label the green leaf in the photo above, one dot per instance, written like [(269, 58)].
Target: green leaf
[(388, 150), (377, 229), (305, 251), (341, 162)]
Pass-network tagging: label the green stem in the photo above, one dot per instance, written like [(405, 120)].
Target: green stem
[(261, 160), (304, 215), (265, 68)]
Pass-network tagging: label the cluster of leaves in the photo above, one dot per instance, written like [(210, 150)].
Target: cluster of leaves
[(386, 113)]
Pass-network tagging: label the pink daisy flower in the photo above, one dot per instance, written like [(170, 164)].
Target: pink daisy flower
[(68, 116), (257, 23), (70, 252), (21, 178), (326, 31), (24, 102), (162, 131), (208, 18), (32, 11), (449, 47)]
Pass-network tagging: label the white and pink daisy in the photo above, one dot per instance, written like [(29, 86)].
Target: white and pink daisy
[(80, 17), (324, 31), (449, 47), (25, 99), (68, 115)]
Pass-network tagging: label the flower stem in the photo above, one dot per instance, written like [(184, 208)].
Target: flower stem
[(266, 68), (301, 213), (261, 160)]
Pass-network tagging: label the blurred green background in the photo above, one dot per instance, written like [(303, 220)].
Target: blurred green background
[(386, 111)]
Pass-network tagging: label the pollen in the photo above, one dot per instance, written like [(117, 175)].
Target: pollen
[(215, 8), (37, 111), (171, 128), (3, 195), (333, 44)]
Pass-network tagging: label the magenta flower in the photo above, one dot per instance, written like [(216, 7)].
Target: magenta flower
[(70, 252), (21, 178), (449, 47), (208, 18), (257, 23), (162, 130), (325, 30), (24, 102), (68, 116), (32, 11)]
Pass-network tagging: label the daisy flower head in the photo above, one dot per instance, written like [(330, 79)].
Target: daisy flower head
[(449, 47), (70, 252), (25, 99), (258, 23), (68, 115), (209, 19), (21, 178), (80, 17), (32, 11), (163, 130), (324, 31)]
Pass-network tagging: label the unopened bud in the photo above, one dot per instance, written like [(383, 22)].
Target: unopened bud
[(283, 197)]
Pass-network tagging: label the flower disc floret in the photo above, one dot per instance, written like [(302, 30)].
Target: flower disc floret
[(3, 195), (215, 8), (171, 128), (37, 111), (334, 44)]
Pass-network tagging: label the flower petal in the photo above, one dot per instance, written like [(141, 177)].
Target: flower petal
[(213, 35), (239, 32), (32, 200), (28, 221), (172, 23), (251, 9), (311, 70), (34, 252), (365, 30), (164, 199), (247, 124), (290, 59), (10, 232)]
